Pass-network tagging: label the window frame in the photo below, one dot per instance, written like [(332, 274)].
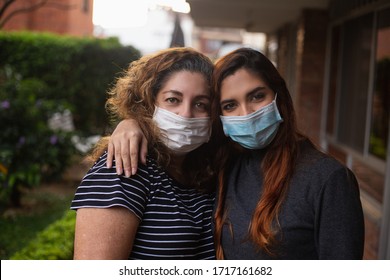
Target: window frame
[(332, 138)]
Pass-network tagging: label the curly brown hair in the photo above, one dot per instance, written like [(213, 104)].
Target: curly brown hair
[(134, 96)]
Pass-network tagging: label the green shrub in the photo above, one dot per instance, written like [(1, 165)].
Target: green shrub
[(41, 208), (77, 70), (29, 148), (41, 74), (53, 243)]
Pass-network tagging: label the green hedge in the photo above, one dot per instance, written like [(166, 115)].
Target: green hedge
[(30, 150), (53, 243), (76, 70), (42, 74)]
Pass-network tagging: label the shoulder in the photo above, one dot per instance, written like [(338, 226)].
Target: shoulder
[(312, 160), (99, 173), (102, 179), (326, 173), (325, 183), (100, 168), (102, 187), (321, 171)]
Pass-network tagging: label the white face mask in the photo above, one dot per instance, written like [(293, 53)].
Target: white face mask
[(182, 135)]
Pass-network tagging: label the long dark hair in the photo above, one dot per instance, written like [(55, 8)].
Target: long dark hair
[(278, 164)]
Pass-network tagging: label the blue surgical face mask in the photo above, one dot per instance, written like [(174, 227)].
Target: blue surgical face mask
[(256, 130)]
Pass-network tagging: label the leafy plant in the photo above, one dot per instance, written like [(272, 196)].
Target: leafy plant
[(42, 74), (78, 70), (29, 149), (40, 208), (53, 243)]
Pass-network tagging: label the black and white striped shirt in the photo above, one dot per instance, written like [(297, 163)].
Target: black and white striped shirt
[(175, 221)]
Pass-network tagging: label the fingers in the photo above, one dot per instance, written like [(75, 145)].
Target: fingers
[(134, 146), (125, 156), (127, 152), (138, 147), (144, 150), (132, 151), (128, 145), (112, 150), (118, 158)]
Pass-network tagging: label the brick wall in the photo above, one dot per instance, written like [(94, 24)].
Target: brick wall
[(65, 17), (310, 66)]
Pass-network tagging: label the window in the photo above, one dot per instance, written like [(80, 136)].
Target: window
[(85, 6), (359, 91), (381, 96), (354, 82)]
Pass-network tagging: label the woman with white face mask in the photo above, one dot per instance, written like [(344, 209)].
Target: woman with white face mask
[(165, 210), (278, 196)]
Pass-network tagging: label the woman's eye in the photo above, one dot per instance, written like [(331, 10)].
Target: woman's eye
[(257, 97), (228, 107), (172, 100), (202, 106)]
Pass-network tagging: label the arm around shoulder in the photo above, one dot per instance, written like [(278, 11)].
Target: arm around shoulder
[(127, 144)]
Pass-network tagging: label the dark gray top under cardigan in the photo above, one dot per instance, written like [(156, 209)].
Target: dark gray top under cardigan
[(321, 217)]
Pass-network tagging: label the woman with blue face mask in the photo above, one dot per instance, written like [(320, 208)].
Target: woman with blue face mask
[(278, 196), (165, 210)]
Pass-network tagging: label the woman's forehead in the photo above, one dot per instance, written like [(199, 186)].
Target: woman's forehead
[(241, 81)]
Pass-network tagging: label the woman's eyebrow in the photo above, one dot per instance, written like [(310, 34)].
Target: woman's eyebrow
[(175, 92), (255, 90), (226, 101), (206, 96)]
